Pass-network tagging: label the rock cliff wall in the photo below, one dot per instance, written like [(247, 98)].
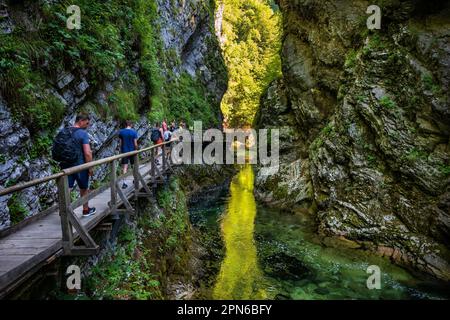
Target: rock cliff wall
[(365, 125), (186, 50)]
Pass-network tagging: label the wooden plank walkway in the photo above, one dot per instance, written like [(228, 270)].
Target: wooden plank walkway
[(36, 242)]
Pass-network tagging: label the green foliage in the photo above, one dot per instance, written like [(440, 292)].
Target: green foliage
[(110, 33), (24, 87), (123, 104), (429, 84), (445, 169), (316, 144), (41, 146), (143, 23), (28, 58), (350, 60), (121, 276), (173, 201), (17, 210), (184, 98), (252, 30), (361, 98), (416, 154), (328, 129), (99, 45), (371, 159), (375, 44), (188, 100), (134, 269), (388, 103)]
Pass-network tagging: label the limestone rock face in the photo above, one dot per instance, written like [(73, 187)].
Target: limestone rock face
[(368, 113), (187, 32), (188, 37)]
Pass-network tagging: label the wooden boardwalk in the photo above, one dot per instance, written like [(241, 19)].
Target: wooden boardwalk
[(24, 251)]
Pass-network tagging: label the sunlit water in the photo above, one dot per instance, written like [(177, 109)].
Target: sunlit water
[(271, 254), (240, 276)]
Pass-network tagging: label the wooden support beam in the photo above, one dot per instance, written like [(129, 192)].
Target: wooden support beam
[(64, 205), (122, 211), (82, 232), (136, 176), (164, 160), (105, 226), (83, 251), (145, 195), (144, 185), (156, 173), (124, 200), (113, 185), (152, 164)]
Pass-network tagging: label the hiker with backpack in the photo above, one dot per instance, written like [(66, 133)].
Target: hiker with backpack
[(164, 126), (128, 142), (71, 148), (167, 135), (173, 127), (157, 138)]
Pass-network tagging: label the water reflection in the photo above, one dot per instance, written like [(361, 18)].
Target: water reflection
[(240, 276)]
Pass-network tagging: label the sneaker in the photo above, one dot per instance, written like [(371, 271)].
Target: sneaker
[(124, 186), (89, 212)]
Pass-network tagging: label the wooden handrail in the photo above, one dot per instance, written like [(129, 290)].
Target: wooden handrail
[(28, 184), (76, 169)]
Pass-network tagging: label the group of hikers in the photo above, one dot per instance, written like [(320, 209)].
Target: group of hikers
[(71, 148)]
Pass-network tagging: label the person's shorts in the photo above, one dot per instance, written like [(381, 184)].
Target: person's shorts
[(127, 160), (82, 179)]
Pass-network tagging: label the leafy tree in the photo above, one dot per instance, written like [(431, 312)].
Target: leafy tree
[(251, 30)]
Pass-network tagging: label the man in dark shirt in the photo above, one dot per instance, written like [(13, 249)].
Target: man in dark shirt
[(85, 155), (128, 142)]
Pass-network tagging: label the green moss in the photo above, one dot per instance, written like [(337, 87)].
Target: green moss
[(123, 105), (444, 169), (173, 201), (375, 43), (17, 210), (429, 84), (388, 103), (99, 45), (316, 144), (149, 44), (350, 60), (328, 129), (41, 146), (416, 154), (188, 100), (361, 98), (24, 87), (371, 159)]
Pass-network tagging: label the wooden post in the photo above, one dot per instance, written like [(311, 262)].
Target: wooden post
[(136, 176), (113, 203), (152, 161), (169, 157), (64, 207), (164, 158)]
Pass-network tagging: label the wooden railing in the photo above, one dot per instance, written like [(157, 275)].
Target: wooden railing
[(66, 207)]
